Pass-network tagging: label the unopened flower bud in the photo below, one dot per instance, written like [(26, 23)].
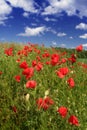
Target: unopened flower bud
[(47, 92), (27, 97)]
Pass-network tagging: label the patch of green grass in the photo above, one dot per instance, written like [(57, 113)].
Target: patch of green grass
[(84, 60), (36, 108)]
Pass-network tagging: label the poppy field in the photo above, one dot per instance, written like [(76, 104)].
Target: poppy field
[(42, 88)]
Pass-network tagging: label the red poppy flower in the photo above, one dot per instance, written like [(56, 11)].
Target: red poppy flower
[(0, 72), (17, 78), (49, 101), (72, 59), (38, 58), (62, 72), (39, 102), (63, 60), (9, 52), (23, 65), (39, 66), (63, 111), (73, 120), (34, 63), (44, 103), (55, 59), (28, 72), (31, 84), (18, 60), (46, 54), (79, 48), (71, 82), (47, 62)]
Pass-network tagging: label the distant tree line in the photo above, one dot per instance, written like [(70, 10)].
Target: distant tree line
[(82, 54)]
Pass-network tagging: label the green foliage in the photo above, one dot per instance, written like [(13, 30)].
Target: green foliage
[(82, 54), (18, 113)]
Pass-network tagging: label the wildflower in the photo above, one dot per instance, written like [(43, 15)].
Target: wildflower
[(38, 58), (55, 59), (39, 66), (9, 52), (27, 97), (47, 92), (62, 111), (63, 60), (79, 48), (71, 82), (17, 78), (49, 101), (34, 63), (46, 54), (23, 65), (44, 103), (18, 60), (73, 120), (72, 59), (0, 72), (31, 84), (62, 72), (47, 63), (28, 72), (39, 102)]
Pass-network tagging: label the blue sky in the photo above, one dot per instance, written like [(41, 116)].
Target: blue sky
[(51, 22)]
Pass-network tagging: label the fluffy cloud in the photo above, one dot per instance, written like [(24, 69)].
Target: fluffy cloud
[(50, 19), (5, 10), (84, 36), (33, 31), (84, 45), (69, 6), (26, 14), (60, 34), (82, 26), (49, 29), (54, 43), (26, 5), (63, 45), (56, 6)]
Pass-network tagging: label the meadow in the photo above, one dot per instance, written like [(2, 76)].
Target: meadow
[(42, 88)]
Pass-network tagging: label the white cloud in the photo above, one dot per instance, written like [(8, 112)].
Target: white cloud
[(84, 45), (63, 45), (2, 20), (26, 14), (82, 26), (26, 5), (54, 43), (84, 36), (69, 6), (5, 10), (56, 6), (33, 31), (60, 34), (49, 19), (71, 37), (49, 29), (37, 31)]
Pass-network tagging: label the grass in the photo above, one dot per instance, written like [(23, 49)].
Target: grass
[(39, 106), (83, 60)]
